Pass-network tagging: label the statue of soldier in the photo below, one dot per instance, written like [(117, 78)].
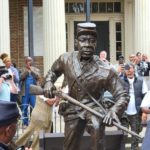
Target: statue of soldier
[(86, 77)]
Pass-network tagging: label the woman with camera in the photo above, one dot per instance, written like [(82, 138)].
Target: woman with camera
[(13, 72), (7, 85)]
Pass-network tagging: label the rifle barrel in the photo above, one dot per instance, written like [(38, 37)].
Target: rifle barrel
[(74, 101), (37, 90)]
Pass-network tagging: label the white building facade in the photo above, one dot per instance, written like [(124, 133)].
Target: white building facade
[(123, 27)]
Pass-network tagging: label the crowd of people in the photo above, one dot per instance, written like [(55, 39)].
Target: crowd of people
[(15, 90), (135, 74), (128, 82)]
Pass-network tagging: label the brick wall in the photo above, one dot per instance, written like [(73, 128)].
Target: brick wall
[(17, 33)]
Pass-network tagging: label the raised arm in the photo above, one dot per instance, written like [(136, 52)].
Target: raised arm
[(52, 75)]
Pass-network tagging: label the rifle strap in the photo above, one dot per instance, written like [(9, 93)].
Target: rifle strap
[(86, 91), (78, 73)]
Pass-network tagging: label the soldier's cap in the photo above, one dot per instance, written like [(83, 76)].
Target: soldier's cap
[(128, 66), (9, 112), (86, 28)]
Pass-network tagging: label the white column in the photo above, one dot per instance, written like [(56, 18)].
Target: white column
[(112, 35), (128, 27), (4, 27), (142, 26), (54, 31)]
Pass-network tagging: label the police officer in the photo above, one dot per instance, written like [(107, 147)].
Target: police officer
[(9, 115)]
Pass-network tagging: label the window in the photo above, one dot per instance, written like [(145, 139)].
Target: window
[(109, 7), (66, 8), (117, 7), (102, 7), (96, 7), (118, 40), (75, 7)]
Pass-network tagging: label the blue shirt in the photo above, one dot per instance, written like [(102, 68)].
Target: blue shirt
[(15, 71), (5, 92)]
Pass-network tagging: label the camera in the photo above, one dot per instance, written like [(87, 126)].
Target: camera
[(21, 148), (122, 67), (7, 76), (4, 73)]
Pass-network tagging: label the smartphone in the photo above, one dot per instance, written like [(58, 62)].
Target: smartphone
[(122, 66), (21, 148)]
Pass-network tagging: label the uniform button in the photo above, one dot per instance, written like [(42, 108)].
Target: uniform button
[(79, 89)]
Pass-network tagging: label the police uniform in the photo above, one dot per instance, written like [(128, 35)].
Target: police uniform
[(9, 114)]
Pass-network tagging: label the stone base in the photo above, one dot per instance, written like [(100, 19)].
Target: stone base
[(54, 141)]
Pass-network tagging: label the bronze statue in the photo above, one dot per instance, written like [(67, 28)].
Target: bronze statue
[(87, 78)]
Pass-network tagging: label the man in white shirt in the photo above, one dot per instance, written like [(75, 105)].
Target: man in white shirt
[(103, 58), (136, 88)]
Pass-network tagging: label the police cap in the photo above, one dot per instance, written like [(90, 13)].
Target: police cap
[(9, 113)]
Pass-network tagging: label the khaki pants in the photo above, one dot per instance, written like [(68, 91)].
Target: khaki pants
[(40, 120)]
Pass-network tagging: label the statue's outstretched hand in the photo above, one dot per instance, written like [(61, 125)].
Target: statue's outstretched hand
[(110, 117), (48, 90)]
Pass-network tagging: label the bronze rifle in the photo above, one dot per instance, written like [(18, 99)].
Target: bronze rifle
[(37, 90)]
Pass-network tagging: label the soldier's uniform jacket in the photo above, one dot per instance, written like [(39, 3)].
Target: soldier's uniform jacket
[(94, 76)]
